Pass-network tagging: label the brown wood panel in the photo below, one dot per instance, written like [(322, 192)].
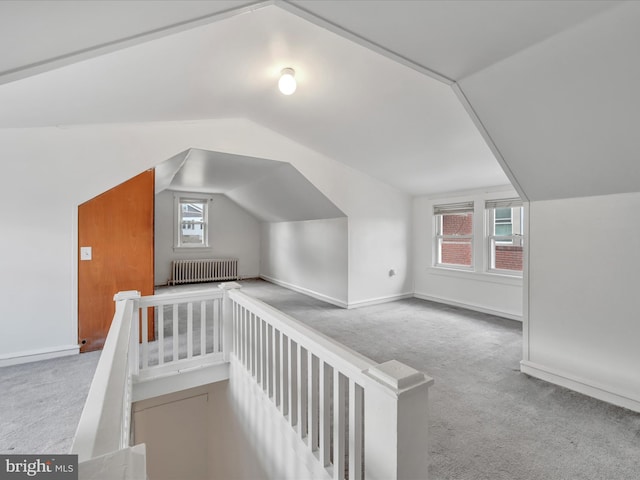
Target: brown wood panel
[(118, 226)]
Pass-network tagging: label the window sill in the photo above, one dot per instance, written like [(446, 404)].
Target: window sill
[(499, 278), (191, 249)]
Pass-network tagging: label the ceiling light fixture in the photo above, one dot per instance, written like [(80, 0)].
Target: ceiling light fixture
[(287, 82)]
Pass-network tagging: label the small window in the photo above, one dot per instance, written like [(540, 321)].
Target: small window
[(191, 222), (454, 235), (505, 235)]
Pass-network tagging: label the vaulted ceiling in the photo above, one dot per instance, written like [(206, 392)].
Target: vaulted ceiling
[(430, 96)]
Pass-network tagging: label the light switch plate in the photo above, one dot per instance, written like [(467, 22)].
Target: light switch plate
[(85, 253)]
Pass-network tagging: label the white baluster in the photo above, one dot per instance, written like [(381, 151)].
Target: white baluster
[(325, 413), (356, 406), (258, 322), (268, 358), (203, 327), (275, 352), (252, 344), (175, 332), (145, 337), (339, 424), (293, 384), (302, 390), (265, 356), (313, 406), (245, 337), (190, 330), (218, 329), (284, 376)]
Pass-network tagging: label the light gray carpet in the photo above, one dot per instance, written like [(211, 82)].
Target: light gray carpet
[(488, 421), (41, 403)]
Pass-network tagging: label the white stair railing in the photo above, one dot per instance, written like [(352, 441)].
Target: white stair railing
[(105, 423), (351, 417), (188, 328), (359, 419)]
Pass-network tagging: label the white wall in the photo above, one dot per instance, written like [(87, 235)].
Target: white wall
[(233, 233), (380, 241), (195, 434), (310, 257), (583, 328), (477, 290), (48, 172)]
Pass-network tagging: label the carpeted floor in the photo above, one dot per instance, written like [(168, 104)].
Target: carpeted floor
[(488, 421), (41, 403)]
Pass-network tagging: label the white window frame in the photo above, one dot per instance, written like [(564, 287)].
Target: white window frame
[(178, 200), (515, 239), (439, 237)]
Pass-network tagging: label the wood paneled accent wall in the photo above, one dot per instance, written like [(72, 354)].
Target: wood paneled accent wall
[(118, 226)]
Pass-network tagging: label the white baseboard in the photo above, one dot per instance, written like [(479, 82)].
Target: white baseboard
[(468, 306), (306, 291), (581, 385), (379, 300), (37, 355)]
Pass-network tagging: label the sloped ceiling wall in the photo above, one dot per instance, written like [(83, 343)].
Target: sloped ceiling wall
[(552, 84), (565, 112), (271, 191), (352, 104)]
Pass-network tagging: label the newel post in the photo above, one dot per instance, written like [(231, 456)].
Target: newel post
[(227, 317), (396, 422)]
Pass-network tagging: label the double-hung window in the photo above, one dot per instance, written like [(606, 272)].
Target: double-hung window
[(505, 234), (191, 214), (454, 235)]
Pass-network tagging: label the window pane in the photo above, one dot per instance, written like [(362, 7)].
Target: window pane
[(192, 223), (457, 224), (506, 239), (503, 229), (456, 251), (506, 256), (503, 214)]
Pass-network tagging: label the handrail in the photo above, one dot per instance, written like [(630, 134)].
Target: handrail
[(105, 419), (351, 417), (337, 355), (179, 297), (349, 414)]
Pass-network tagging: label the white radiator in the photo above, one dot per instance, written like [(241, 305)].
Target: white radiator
[(203, 270)]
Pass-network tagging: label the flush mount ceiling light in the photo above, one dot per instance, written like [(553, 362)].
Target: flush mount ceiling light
[(287, 82)]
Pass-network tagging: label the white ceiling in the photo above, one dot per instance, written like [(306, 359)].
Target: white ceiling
[(45, 34), (352, 104), (454, 38), (367, 95)]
